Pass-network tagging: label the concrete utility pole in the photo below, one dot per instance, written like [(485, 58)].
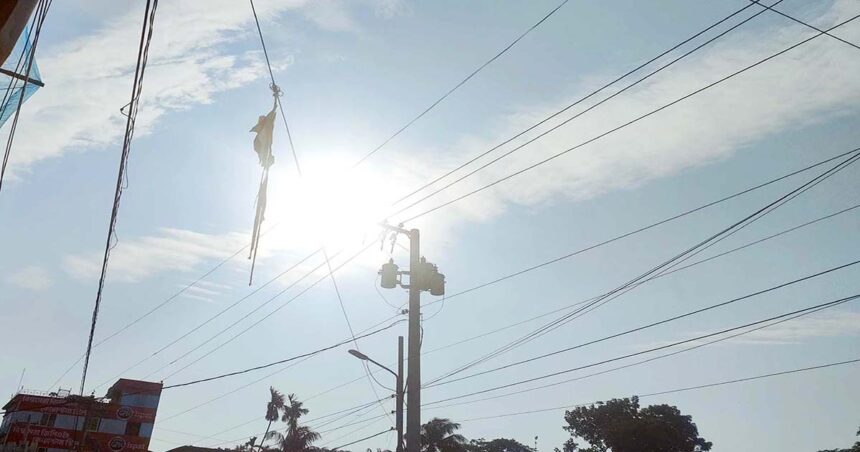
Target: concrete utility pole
[(398, 410), (413, 407), (399, 401), (422, 276)]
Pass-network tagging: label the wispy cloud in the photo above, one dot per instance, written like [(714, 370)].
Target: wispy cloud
[(204, 291), (170, 250), (810, 84), (795, 331), (832, 324), (31, 277)]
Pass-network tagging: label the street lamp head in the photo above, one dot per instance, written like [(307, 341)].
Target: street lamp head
[(358, 354)]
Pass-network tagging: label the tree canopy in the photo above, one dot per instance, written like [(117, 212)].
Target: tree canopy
[(620, 425), (497, 445)]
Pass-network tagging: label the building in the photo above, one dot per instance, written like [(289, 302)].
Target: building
[(53, 422), (195, 449)]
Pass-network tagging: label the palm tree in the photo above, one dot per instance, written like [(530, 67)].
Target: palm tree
[(273, 410), (297, 439), (438, 435), (293, 411)]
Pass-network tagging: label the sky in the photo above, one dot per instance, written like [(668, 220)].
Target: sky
[(352, 74)]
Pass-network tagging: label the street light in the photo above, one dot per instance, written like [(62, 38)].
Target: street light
[(399, 387), (364, 357)]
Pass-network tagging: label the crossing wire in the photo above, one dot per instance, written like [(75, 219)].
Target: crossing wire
[(578, 102), (650, 350), (653, 324), (665, 266), (624, 125), (272, 76), (677, 390), (597, 91), (638, 363), (461, 83), (140, 69), (38, 20)]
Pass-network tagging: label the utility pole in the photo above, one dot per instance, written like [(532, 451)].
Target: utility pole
[(398, 409), (422, 276), (399, 400), (413, 408)]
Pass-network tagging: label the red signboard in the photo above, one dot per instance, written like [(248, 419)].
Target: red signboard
[(58, 438), (101, 410)]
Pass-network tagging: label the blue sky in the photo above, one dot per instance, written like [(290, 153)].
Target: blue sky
[(353, 72)]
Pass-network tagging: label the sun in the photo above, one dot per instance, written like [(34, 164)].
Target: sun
[(331, 205)]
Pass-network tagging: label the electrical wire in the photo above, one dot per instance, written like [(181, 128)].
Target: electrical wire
[(746, 297), (276, 89), (363, 439), (624, 125), (370, 378), (626, 287), (771, 8), (292, 358), (639, 363), (38, 19), (236, 322), (710, 204), (461, 83), (212, 318), (598, 90), (653, 349), (577, 102), (650, 226), (142, 57), (677, 390)]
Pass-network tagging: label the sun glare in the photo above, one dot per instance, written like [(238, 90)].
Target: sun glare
[(331, 205)]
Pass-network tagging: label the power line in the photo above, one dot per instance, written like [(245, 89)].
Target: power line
[(603, 372), (653, 324), (142, 57), (575, 103), (352, 334), (458, 85), (292, 358), (672, 391), (38, 20), (757, 2), (275, 89), (712, 203), (652, 225), (241, 249), (626, 287), (638, 363), (623, 125), (212, 318), (236, 322), (617, 93), (283, 305), (653, 349), (365, 438)]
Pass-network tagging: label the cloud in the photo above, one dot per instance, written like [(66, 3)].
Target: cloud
[(204, 290), (31, 278), (170, 250), (796, 331), (832, 324), (88, 78), (808, 85)]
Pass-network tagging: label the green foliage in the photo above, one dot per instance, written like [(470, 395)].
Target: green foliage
[(620, 425), (438, 435), (297, 438), (497, 445)]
